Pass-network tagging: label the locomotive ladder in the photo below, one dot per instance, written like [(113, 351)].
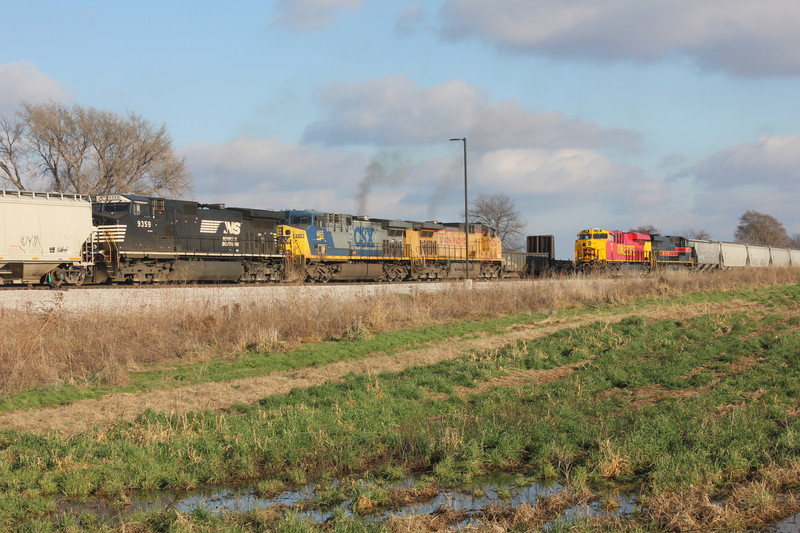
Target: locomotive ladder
[(417, 260), (113, 250)]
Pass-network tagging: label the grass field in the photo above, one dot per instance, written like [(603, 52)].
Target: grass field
[(680, 389)]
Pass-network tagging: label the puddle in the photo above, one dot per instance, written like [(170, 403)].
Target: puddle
[(502, 490), (790, 525)]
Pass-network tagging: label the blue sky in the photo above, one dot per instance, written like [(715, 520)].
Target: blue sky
[(680, 114)]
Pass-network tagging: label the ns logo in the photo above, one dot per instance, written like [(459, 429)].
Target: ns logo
[(232, 228)]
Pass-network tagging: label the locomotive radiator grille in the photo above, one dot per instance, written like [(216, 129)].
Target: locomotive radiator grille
[(115, 233)]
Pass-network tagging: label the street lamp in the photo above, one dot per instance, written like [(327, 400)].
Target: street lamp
[(466, 215)]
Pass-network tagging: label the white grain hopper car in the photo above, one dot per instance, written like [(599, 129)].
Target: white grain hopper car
[(43, 235), (716, 254)]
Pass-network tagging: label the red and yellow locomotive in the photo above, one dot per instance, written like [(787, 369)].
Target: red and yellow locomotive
[(604, 249)]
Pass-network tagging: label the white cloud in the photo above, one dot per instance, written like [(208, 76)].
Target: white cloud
[(311, 14), (271, 170), (275, 174), (739, 36), (410, 20), (769, 161), (23, 82), (576, 176), (395, 111)]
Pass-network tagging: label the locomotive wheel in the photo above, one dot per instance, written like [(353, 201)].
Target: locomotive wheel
[(319, 274)]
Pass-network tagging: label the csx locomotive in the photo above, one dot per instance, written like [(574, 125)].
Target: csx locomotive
[(326, 246), (64, 238)]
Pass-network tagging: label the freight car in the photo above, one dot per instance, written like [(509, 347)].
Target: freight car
[(711, 255), (333, 246), (43, 237), (539, 259)]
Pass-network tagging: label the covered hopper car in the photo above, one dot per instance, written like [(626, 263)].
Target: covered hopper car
[(44, 236)]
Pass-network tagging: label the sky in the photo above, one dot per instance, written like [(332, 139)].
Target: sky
[(679, 114)]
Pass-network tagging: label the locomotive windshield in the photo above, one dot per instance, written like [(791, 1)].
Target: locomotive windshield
[(587, 236), (111, 208)]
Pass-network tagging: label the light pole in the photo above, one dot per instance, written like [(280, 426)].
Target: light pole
[(466, 211)]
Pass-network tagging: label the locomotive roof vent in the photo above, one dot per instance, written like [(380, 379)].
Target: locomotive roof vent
[(213, 206)]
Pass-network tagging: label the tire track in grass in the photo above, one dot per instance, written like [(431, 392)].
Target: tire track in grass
[(83, 415)]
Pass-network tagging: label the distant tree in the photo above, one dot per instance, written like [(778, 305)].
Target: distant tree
[(758, 228), (499, 212), (14, 162), (645, 229), (794, 241), (699, 234), (85, 150)]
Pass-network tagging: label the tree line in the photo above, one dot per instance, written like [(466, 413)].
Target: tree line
[(84, 150), (753, 228), (76, 149)]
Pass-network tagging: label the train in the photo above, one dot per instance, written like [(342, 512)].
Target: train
[(71, 239), (613, 250)]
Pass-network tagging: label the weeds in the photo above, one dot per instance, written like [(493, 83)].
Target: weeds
[(698, 414), (56, 348)]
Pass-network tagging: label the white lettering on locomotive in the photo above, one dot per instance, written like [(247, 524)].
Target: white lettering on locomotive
[(212, 226)]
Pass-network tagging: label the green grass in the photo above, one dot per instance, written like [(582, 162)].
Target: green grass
[(663, 405), (249, 364)]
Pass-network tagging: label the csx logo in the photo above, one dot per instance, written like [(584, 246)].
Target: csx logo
[(363, 236), (233, 228)]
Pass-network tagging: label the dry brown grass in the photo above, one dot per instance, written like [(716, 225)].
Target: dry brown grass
[(55, 347), (751, 505)]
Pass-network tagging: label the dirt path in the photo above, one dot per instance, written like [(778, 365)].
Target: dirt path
[(83, 415)]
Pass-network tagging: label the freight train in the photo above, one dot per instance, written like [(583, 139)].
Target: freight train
[(600, 249), (72, 239), (122, 238)]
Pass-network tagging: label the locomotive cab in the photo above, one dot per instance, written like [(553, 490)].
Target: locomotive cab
[(591, 247)]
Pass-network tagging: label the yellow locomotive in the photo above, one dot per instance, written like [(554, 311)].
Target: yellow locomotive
[(601, 249)]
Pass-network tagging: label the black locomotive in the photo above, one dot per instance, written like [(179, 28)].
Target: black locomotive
[(141, 239)]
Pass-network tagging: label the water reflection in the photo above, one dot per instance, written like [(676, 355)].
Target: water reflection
[(790, 525), (491, 491)]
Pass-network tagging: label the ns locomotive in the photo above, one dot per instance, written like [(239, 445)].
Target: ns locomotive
[(59, 238)]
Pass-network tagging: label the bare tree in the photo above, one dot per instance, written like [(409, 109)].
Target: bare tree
[(499, 212), (649, 230), (699, 234), (14, 152), (794, 241), (85, 150), (758, 228)]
